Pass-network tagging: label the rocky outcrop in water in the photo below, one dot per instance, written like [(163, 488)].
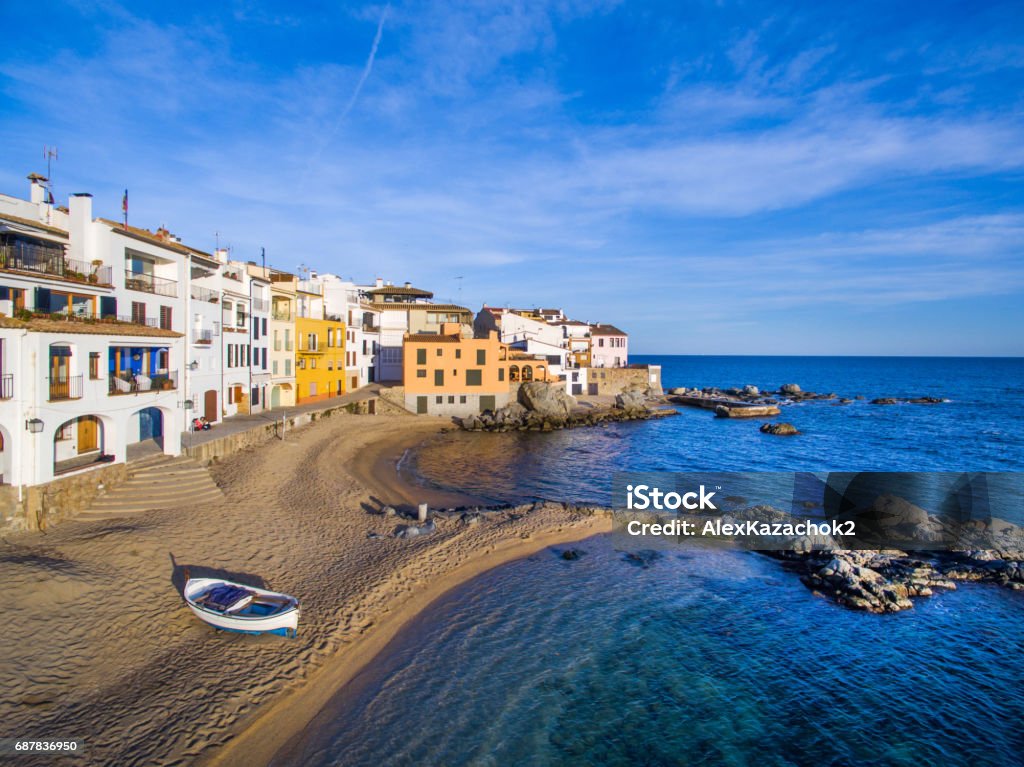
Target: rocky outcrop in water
[(780, 429), (746, 411), (908, 401)]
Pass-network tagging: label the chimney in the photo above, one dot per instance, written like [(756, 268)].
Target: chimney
[(38, 193), (380, 282), (408, 284), (221, 254), (80, 219)]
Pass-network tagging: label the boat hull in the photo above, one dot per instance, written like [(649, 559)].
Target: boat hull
[(282, 621)]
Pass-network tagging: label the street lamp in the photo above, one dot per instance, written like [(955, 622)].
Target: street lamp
[(34, 425)]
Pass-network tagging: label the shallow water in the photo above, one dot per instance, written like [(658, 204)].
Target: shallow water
[(704, 657)]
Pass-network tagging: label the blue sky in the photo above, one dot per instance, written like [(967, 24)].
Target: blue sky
[(747, 178)]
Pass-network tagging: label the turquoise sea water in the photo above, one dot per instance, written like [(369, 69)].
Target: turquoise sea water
[(705, 657)]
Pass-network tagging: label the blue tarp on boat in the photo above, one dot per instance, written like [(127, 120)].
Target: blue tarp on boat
[(225, 596)]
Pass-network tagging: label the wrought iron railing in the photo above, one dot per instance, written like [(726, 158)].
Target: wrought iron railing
[(28, 257), (150, 283), (66, 387), (128, 383), (7, 386), (203, 336)]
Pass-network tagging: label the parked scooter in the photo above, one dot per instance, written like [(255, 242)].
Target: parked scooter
[(200, 424)]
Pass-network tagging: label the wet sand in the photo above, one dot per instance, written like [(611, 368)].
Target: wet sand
[(103, 647)]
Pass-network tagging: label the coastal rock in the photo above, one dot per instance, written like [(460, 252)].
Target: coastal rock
[(884, 401), (751, 391), (413, 531), (546, 399), (790, 388), (781, 429), (388, 511), (631, 400), (571, 555)]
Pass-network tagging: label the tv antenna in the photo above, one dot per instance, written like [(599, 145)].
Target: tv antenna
[(459, 278), (49, 154)]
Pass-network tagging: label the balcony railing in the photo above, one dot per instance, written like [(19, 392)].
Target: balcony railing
[(27, 257), (204, 294), (149, 322), (65, 387), (281, 314), (7, 386), (203, 337), (368, 328), (149, 283), (127, 383)]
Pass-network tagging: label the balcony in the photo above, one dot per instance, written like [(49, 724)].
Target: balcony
[(369, 328), (27, 257), (202, 337), (65, 387), (260, 305), (7, 386), (204, 294), (149, 283), (127, 383), (281, 314)]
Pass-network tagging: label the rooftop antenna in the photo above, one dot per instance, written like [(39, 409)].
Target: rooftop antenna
[(49, 154), (216, 239), (459, 278)]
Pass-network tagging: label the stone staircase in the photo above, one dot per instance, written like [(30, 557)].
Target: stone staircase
[(157, 482)]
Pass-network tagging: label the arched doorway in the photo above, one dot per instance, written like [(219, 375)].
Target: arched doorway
[(527, 373), (151, 426), (513, 373), (78, 443)]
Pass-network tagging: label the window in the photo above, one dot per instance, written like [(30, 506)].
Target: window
[(264, 366), (330, 364), (458, 354), (288, 367), (438, 351), (438, 378), (264, 324), (255, 396), (439, 400), (231, 395), (421, 356), (451, 399), (273, 368), (462, 400), (501, 374), (600, 342), (138, 313), (165, 317), (66, 431), (94, 365), (240, 316), (421, 373), (481, 357), (301, 364), (312, 389), (256, 330), (474, 378)]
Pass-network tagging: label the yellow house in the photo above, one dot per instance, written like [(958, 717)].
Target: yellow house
[(447, 373), (319, 349)]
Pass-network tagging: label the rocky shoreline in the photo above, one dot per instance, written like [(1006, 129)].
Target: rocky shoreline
[(542, 407)]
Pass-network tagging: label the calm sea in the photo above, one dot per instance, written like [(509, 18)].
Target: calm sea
[(705, 657)]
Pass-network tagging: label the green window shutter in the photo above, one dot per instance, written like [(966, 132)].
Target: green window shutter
[(481, 357), (438, 378), (474, 378), (421, 356), (501, 374)]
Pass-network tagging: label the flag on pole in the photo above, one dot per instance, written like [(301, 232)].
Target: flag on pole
[(124, 208)]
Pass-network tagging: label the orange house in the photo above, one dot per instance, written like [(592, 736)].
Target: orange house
[(448, 374)]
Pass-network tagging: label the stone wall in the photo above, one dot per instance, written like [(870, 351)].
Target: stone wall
[(44, 505), (618, 380)]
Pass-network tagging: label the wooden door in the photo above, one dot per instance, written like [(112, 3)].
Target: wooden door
[(88, 435), (210, 405)]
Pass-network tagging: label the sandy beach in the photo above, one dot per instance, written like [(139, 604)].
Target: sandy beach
[(104, 649)]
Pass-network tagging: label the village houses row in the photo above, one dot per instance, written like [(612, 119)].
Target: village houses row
[(115, 339)]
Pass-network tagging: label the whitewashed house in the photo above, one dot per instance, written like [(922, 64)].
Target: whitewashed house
[(92, 346)]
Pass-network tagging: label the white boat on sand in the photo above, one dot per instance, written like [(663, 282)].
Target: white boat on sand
[(232, 606)]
